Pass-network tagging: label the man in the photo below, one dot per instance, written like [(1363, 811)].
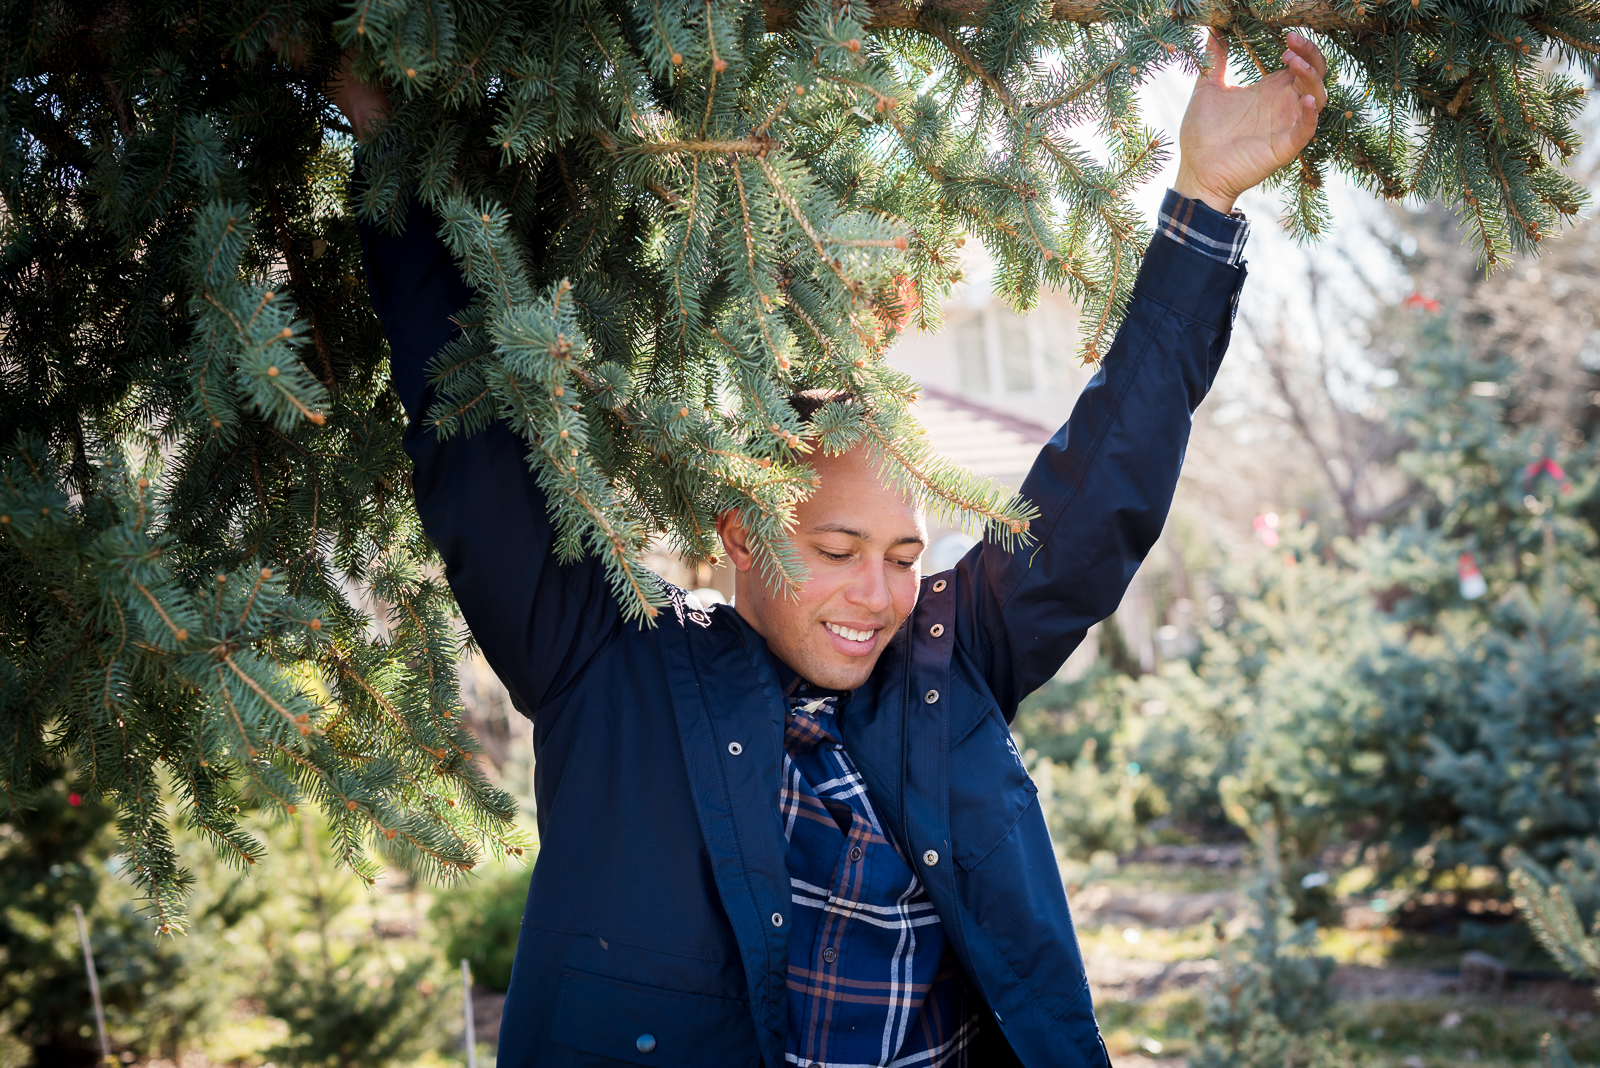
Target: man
[(797, 831)]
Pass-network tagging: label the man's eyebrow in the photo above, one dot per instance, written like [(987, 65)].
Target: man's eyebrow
[(840, 528), (859, 535)]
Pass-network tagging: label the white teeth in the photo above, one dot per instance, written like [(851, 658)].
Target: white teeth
[(849, 634)]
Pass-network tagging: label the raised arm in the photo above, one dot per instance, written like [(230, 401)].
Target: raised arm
[(1105, 481), (537, 621)]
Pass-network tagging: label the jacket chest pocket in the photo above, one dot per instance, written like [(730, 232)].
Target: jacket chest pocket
[(989, 785), (627, 1023)]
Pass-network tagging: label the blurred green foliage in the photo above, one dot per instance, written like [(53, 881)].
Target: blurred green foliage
[(479, 922), (294, 941), (364, 1008), (1348, 689), (1266, 1006), (351, 997), (54, 857)]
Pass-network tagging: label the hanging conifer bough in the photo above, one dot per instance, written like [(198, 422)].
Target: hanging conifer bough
[(213, 588)]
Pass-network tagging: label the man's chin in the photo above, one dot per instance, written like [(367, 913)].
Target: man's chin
[(829, 674)]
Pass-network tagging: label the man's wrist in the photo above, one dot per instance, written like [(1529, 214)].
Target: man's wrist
[(1187, 185)]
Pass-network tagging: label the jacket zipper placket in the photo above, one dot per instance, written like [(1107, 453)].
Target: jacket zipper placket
[(905, 748)]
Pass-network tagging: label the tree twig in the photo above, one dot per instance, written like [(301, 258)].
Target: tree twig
[(1318, 15)]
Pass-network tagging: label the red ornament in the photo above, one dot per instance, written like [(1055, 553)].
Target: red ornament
[(74, 800), (1427, 304), (1472, 584), (1266, 527), (1549, 467)]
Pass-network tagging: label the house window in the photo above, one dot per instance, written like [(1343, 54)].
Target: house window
[(995, 353), (1016, 353), (972, 355)]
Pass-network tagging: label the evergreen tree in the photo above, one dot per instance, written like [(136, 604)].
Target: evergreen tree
[(52, 858), (1553, 905), (1526, 771), (1359, 693), (1263, 1008), (352, 1002), (1487, 701), (211, 580)]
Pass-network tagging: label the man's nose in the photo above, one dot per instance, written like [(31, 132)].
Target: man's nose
[(870, 589)]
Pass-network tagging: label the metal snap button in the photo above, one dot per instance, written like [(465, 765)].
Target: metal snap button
[(931, 696), (777, 919), (855, 852), (645, 1043), (735, 748), (936, 630), (830, 954), (939, 585), (930, 858)]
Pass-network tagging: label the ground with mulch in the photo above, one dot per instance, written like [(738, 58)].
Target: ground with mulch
[(1149, 935), (1415, 990)]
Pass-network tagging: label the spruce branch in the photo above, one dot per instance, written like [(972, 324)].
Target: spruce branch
[(1319, 15), (1547, 903), (751, 146)]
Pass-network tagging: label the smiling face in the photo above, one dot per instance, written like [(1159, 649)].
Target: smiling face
[(861, 540)]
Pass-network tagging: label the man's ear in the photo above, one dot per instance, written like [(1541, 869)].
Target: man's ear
[(735, 539)]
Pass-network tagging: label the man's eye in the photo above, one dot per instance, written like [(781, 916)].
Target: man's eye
[(834, 556), (905, 565)]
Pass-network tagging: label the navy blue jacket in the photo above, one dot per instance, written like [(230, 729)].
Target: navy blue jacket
[(660, 896)]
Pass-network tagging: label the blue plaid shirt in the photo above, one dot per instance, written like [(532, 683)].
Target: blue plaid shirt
[(872, 980)]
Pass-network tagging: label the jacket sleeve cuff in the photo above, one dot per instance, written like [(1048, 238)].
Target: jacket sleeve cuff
[(1197, 286)]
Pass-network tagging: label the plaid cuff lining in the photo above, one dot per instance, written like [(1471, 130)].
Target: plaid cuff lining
[(1203, 228)]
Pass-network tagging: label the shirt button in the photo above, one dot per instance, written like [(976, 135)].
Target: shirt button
[(930, 858), (645, 1043), (830, 954), (931, 696), (855, 852), (735, 748), (936, 630), (777, 919), (938, 586)]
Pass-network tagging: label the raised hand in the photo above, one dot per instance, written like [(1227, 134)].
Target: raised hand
[(1235, 136), (364, 106)]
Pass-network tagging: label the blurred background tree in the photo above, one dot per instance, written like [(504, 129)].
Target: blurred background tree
[(324, 972), (1360, 684)]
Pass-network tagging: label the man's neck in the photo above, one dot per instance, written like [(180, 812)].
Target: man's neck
[(792, 682)]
